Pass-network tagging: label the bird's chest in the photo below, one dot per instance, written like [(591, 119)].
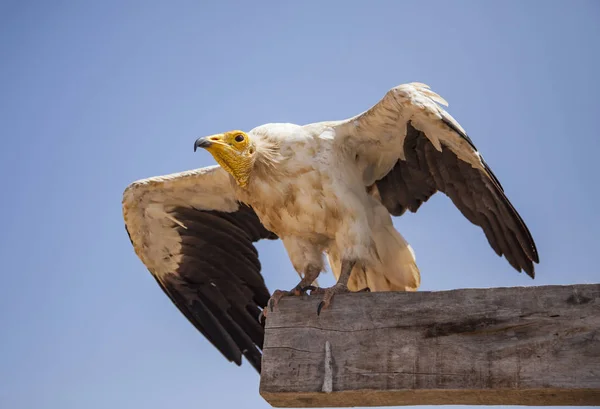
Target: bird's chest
[(301, 201)]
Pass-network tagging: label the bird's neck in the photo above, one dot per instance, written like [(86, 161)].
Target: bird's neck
[(264, 166), (238, 166)]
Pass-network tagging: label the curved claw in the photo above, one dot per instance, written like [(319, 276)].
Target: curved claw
[(320, 307), (262, 317), (329, 293), (279, 294)]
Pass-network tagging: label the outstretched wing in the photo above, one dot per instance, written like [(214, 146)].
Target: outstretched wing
[(408, 148), (197, 241)]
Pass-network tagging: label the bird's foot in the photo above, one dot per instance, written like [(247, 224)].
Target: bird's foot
[(328, 294), (278, 295)]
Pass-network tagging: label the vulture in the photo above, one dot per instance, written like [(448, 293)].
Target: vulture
[(327, 190)]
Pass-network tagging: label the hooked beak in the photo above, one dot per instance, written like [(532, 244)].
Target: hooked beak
[(202, 142), (208, 141)]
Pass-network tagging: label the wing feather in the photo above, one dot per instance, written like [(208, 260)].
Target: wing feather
[(411, 148), (196, 239)]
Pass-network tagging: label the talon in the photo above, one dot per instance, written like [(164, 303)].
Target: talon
[(325, 303), (279, 294), (320, 307), (364, 290), (311, 288), (262, 317), (328, 295)]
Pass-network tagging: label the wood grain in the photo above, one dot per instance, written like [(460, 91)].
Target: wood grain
[(496, 346)]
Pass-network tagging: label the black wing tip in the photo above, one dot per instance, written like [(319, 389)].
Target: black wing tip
[(531, 249), (254, 357), (527, 267), (256, 362), (531, 252), (204, 305), (526, 264), (236, 358)]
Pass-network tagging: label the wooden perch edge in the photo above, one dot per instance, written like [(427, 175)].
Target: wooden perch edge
[(496, 346)]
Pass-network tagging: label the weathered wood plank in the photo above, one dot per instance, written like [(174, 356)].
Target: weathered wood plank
[(497, 346)]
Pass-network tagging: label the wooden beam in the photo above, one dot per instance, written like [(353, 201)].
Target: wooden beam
[(496, 346)]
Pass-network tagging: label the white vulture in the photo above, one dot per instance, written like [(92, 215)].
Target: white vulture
[(327, 188)]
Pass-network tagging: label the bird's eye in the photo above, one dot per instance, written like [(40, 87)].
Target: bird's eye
[(239, 138)]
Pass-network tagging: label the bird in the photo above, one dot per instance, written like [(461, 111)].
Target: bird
[(329, 191)]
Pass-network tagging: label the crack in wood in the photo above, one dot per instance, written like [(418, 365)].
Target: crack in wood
[(292, 349), (409, 373)]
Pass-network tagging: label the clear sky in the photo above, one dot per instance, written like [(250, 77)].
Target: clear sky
[(94, 95)]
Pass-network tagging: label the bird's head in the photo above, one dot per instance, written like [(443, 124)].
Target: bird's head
[(233, 150)]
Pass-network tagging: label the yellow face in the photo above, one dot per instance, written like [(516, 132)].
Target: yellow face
[(233, 150)]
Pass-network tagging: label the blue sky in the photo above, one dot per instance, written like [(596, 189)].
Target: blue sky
[(94, 95)]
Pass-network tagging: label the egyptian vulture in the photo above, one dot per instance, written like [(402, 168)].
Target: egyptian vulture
[(324, 189)]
